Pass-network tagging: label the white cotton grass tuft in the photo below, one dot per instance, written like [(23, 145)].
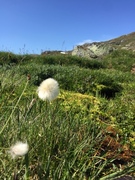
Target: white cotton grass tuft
[(48, 89), (19, 149)]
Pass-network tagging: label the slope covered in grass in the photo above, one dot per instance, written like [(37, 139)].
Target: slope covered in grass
[(87, 132)]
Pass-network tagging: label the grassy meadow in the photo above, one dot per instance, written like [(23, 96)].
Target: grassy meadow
[(86, 133)]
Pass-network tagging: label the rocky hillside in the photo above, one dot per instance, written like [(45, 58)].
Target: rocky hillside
[(99, 49)]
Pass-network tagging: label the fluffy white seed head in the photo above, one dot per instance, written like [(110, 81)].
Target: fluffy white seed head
[(48, 89), (19, 149)]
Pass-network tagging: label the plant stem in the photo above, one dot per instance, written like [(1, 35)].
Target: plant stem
[(119, 173), (26, 175), (14, 108)]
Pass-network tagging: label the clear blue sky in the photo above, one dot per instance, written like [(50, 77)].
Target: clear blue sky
[(30, 26)]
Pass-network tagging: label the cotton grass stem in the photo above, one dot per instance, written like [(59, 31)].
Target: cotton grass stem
[(26, 175), (14, 108), (119, 173)]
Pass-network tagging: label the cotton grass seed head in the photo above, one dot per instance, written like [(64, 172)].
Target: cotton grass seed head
[(48, 89), (19, 149)]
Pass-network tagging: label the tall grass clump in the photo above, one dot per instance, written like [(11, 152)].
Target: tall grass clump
[(11, 59), (122, 60)]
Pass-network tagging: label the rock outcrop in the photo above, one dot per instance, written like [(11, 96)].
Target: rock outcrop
[(92, 50), (99, 49)]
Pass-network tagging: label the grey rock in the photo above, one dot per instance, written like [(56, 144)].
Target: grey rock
[(92, 50), (99, 49)]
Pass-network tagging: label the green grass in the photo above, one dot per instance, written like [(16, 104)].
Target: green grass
[(122, 60), (86, 133)]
